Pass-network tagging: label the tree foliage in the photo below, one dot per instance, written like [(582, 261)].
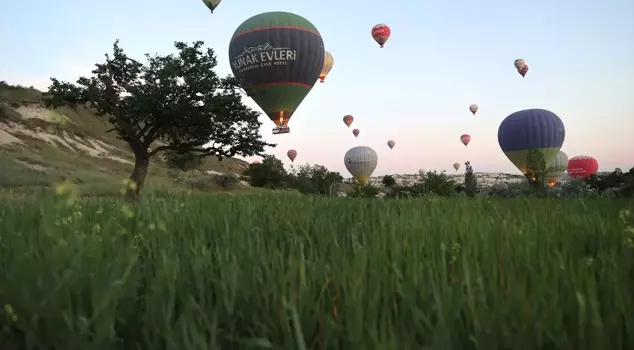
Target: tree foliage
[(173, 102), (388, 181), (183, 161), (317, 179), (470, 180), (536, 171), (270, 173)]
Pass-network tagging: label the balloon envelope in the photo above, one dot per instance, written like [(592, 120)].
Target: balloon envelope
[(556, 169), (391, 144), (465, 139), (277, 56), (581, 167), (519, 63), (380, 33), (212, 4), (473, 108), (456, 166), (348, 119), (329, 61), (355, 132), (531, 129), (361, 162), (292, 154)]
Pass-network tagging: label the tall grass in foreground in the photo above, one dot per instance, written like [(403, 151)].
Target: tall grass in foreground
[(292, 272)]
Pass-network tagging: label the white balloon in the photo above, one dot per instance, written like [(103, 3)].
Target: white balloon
[(557, 168), (361, 162)]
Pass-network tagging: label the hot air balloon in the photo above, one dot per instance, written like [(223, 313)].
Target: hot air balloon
[(473, 108), (556, 169), (211, 4), (524, 70), (519, 63), (291, 154), (355, 132), (465, 139), (391, 144), (380, 33), (581, 167), (456, 166), (348, 119), (329, 61), (531, 130), (421, 172), (361, 162), (278, 57)]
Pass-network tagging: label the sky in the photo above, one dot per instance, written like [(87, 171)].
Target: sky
[(442, 57)]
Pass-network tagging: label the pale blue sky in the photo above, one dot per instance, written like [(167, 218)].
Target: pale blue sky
[(442, 56)]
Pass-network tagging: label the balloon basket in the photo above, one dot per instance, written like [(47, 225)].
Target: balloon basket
[(281, 130)]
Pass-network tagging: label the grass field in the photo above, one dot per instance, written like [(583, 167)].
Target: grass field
[(296, 272)]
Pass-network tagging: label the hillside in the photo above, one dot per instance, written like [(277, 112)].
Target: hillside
[(40, 146)]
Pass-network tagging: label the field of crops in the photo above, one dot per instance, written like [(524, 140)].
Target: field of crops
[(294, 272)]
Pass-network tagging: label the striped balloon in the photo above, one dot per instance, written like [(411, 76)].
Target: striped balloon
[(291, 154), (531, 129)]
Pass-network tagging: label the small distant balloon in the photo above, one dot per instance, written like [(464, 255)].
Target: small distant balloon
[(361, 162), (355, 132), (519, 63), (473, 108), (211, 4), (329, 61), (456, 166), (391, 144), (291, 154), (381, 33), (421, 171), (348, 119), (465, 139)]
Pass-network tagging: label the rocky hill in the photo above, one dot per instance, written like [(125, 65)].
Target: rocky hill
[(40, 146)]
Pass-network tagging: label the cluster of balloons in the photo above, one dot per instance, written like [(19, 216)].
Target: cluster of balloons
[(279, 56)]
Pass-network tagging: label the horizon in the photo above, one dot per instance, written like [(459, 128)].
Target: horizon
[(440, 59)]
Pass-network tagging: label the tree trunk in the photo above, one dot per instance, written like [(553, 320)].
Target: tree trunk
[(137, 178)]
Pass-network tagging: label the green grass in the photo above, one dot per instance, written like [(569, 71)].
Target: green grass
[(266, 272)]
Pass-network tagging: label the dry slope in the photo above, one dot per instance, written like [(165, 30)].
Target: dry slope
[(40, 146)]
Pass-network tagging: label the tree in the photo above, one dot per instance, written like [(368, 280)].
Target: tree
[(470, 181), (317, 179), (388, 181), (176, 99), (268, 174), (536, 171), (183, 161), (435, 183)]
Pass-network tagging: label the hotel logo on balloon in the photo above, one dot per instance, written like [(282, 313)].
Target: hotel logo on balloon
[(262, 56)]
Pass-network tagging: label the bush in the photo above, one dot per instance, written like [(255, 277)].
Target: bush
[(364, 191), (268, 174), (388, 181), (226, 181)]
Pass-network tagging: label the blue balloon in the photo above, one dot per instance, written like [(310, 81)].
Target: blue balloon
[(531, 129)]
